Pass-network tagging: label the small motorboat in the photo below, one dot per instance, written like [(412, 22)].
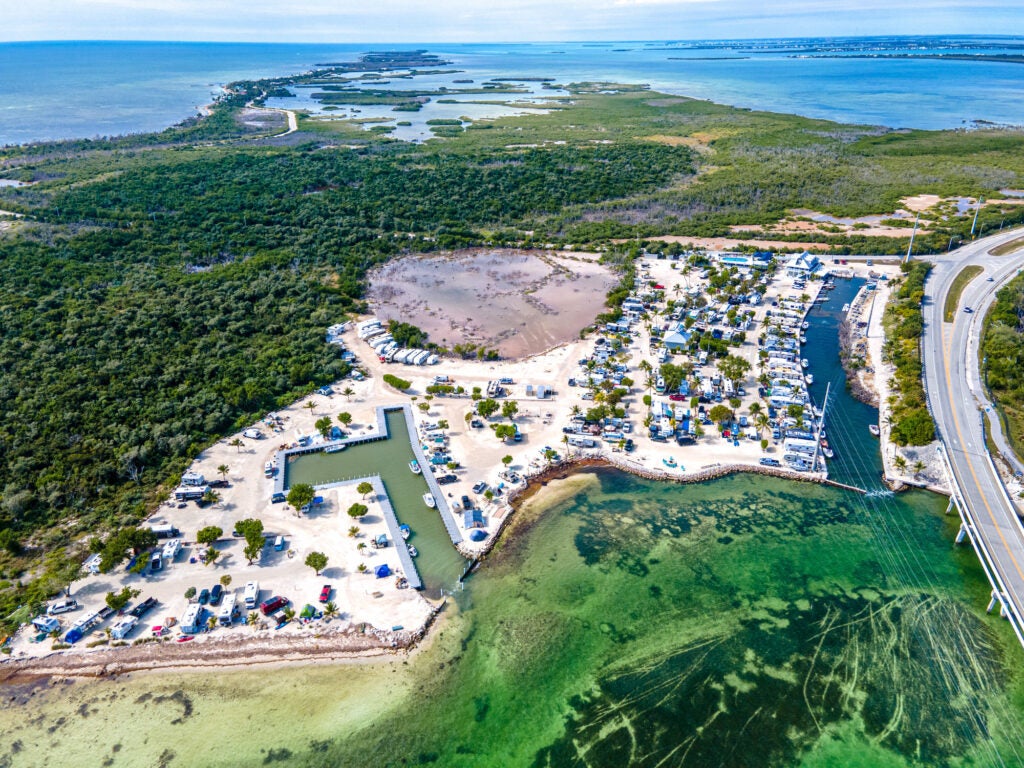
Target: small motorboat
[(805, 325), (804, 363), (428, 499), (335, 448), (405, 530), (809, 378), (412, 551), (828, 452), (874, 430), (415, 467)]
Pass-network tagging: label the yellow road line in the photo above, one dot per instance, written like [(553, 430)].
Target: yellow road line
[(967, 456)]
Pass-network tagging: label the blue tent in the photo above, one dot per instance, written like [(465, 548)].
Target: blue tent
[(74, 635), (478, 535), (383, 571)]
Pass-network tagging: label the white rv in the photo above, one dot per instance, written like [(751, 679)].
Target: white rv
[(251, 595)]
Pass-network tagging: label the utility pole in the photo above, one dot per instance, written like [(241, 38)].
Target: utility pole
[(912, 234), (976, 212)]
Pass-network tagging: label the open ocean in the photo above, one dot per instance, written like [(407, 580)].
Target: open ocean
[(55, 90)]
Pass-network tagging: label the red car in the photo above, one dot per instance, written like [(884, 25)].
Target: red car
[(267, 607), (325, 593), (677, 398)]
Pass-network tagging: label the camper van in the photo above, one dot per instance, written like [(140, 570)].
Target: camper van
[(192, 619), (123, 627), (165, 531), (251, 594), (227, 611)]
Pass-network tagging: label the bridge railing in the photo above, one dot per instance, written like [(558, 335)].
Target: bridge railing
[(988, 564)]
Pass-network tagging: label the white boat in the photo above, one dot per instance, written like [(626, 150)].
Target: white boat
[(428, 499), (805, 325), (415, 467), (405, 530), (809, 378), (846, 307), (804, 363), (412, 551), (874, 430), (334, 448), (803, 339), (829, 453)]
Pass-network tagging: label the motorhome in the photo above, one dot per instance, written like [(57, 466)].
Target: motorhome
[(192, 619), (171, 550), (251, 594), (227, 611), (123, 627)]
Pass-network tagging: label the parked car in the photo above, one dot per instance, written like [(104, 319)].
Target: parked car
[(277, 498), (467, 503), (267, 607), (204, 597), (447, 479), (766, 462), (677, 398), (216, 594), (480, 487), (325, 593)]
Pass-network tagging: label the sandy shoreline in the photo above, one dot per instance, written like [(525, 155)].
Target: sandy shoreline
[(326, 644), (230, 652)]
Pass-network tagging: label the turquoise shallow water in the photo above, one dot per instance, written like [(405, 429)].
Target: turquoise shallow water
[(621, 622), (744, 622), (85, 89)]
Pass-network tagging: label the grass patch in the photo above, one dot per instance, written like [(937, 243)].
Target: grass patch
[(1002, 352), (1007, 248), (956, 290)]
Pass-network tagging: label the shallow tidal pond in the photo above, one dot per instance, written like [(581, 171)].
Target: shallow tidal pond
[(743, 622)]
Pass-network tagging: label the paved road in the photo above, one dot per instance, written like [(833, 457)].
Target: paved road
[(957, 401)]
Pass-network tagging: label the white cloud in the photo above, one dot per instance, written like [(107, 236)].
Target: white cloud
[(497, 20)]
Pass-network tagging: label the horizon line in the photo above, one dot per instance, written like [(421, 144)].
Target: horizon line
[(956, 35)]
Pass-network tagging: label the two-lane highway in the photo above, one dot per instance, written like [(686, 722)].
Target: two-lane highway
[(957, 401)]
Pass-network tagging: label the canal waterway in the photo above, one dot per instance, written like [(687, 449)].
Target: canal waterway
[(439, 564)]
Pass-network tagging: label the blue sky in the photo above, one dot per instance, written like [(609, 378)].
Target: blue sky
[(496, 20)]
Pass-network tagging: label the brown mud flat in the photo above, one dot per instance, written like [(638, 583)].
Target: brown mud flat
[(242, 650), (519, 302)]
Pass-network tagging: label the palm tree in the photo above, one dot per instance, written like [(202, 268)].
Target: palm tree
[(211, 623), (353, 531), (223, 470), (576, 410), (918, 468), (361, 547), (348, 392), (330, 610), (237, 443), (252, 619), (311, 405), (761, 422), (900, 463), (362, 568), (565, 442)]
